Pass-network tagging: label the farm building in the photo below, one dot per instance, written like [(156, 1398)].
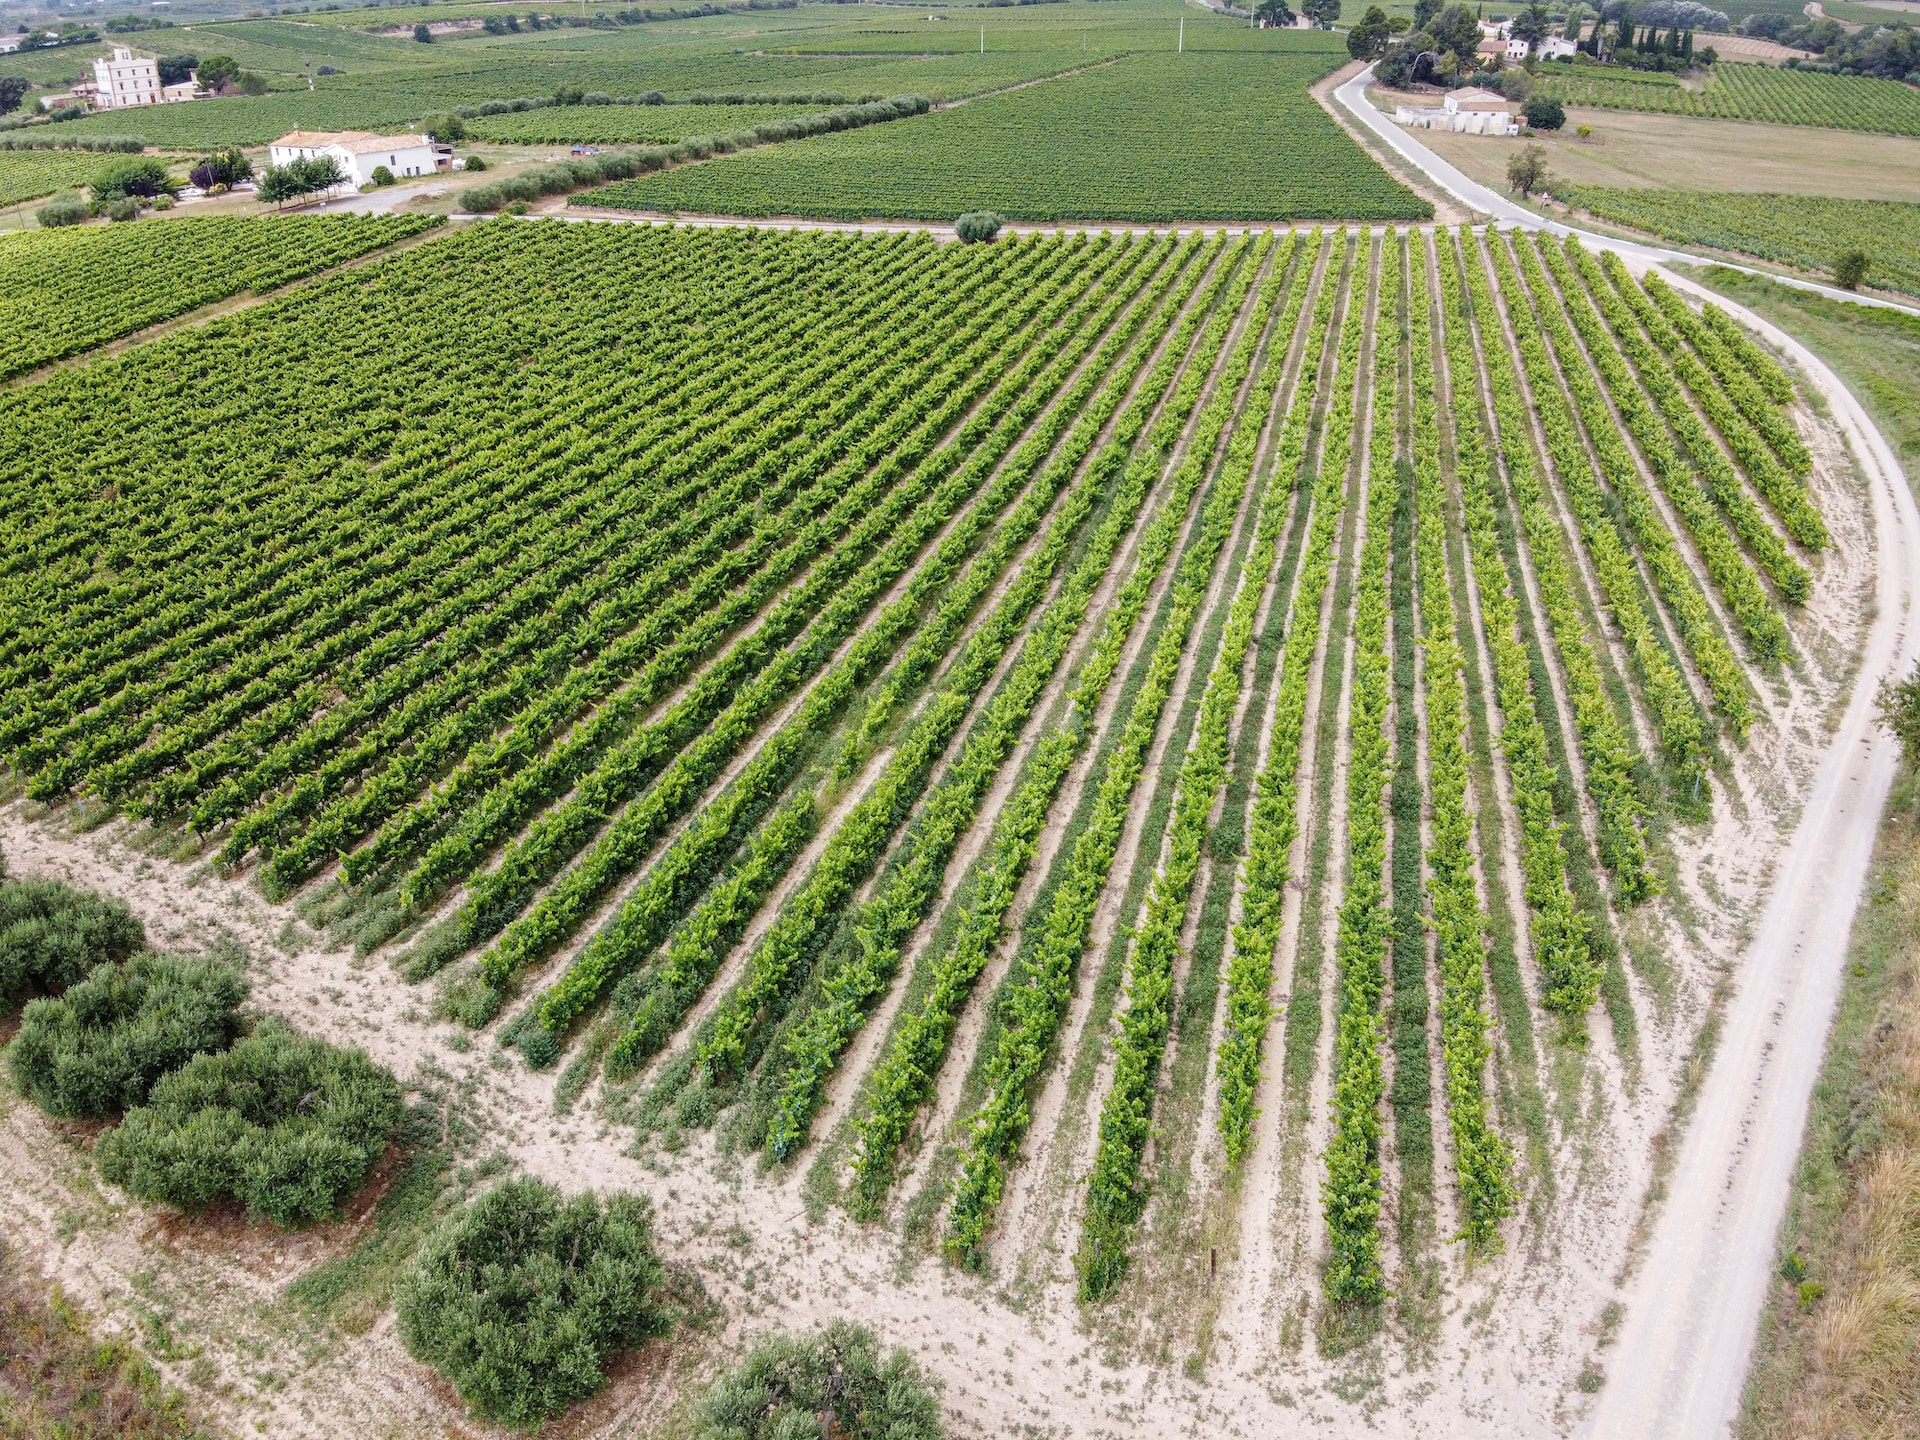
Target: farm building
[(1472, 110), (359, 153)]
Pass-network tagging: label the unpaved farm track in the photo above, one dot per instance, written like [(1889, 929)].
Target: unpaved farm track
[(1691, 1312)]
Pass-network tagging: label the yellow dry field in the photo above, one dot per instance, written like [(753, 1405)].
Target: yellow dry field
[(1681, 152)]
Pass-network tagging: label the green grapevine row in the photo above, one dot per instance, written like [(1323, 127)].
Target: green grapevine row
[(1274, 820), (1482, 1160), (1351, 1192), (1708, 463), (1604, 743), (1034, 1002), (1115, 1193), (1570, 977), (1711, 654)]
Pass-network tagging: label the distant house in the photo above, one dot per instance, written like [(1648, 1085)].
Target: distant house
[(124, 80), (1472, 111), (1557, 47), (1518, 49), (9, 44), (359, 153)]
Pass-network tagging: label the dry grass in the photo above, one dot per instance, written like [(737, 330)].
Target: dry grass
[(1840, 1349), (56, 1379)]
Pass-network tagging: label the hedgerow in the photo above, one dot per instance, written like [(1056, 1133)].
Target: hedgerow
[(99, 1048), (288, 1125), (522, 1297)]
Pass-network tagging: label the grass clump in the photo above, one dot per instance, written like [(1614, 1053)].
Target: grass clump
[(523, 1297), (100, 1048), (285, 1124), (836, 1382)]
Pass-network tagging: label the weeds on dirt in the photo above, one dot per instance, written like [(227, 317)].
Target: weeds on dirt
[(58, 1380)]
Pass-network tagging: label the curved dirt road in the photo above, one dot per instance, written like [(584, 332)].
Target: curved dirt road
[(1680, 1365)]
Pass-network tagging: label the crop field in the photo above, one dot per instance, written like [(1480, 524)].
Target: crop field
[(66, 291), (389, 81), (31, 174), (1749, 92), (1148, 137), (1807, 232), (627, 124), (1165, 772)]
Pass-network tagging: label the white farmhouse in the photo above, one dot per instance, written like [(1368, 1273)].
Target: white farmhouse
[(126, 79), (1472, 111), (1518, 49), (1557, 47), (359, 153)]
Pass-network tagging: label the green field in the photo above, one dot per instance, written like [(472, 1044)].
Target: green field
[(1149, 137), (1803, 231), (30, 174), (388, 81), (1746, 92), (65, 291), (626, 124)]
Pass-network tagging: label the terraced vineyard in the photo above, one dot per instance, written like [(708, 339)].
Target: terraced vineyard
[(1220, 715)]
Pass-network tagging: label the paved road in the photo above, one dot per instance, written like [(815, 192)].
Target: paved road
[(1679, 1367)]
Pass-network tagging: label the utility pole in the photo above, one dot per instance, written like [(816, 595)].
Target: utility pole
[(983, 39), (1183, 34)]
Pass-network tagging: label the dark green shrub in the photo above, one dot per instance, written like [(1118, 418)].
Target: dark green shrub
[(1898, 703), (1850, 269), (69, 210), (125, 208), (1543, 112), (475, 163), (785, 1385), (382, 176), (99, 1049), (288, 1125), (52, 935), (977, 225), (522, 1297), (142, 176)]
